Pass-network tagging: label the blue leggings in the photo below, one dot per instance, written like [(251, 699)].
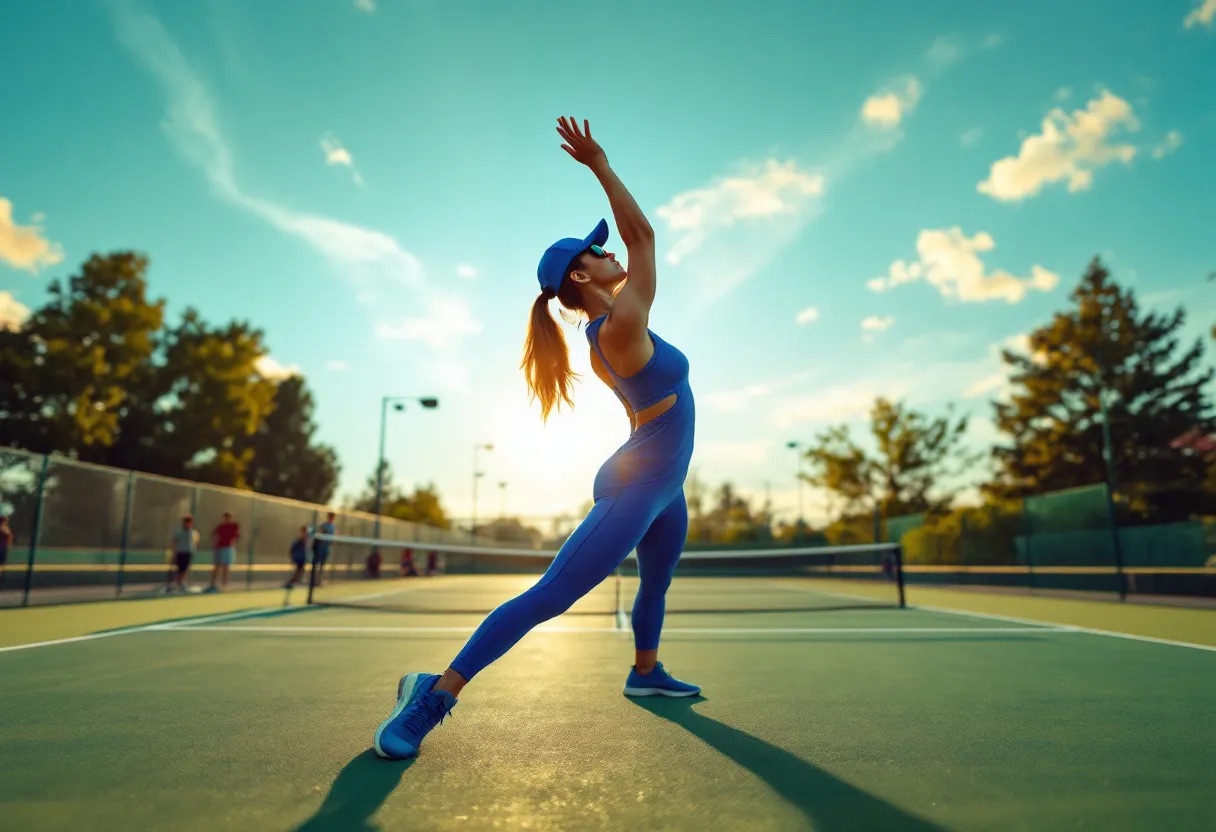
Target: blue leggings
[(650, 516)]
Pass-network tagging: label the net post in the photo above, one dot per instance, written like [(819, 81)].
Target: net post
[(35, 531), (899, 574), (253, 533), (126, 531)]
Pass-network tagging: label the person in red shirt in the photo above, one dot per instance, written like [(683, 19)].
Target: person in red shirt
[(224, 539)]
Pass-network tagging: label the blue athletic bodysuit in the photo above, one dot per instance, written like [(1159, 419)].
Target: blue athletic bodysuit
[(639, 504)]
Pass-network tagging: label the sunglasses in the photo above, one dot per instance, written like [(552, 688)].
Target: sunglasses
[(597, 251)]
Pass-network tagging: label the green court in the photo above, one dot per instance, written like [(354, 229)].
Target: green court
[(246, 712)]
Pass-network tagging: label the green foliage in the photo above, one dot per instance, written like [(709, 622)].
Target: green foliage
[(96, 373), (1105, 345), (913, 454), (68, 367), (423, 506), (286, 461)]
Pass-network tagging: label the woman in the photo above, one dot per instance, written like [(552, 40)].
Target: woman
[(639, 491)]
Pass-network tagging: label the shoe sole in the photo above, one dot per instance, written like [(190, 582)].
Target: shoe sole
[(405, 692), (659, 692)]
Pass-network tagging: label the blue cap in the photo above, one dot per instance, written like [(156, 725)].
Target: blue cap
[(556, 259)]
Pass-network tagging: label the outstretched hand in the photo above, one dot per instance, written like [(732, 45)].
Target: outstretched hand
[(578, 143)]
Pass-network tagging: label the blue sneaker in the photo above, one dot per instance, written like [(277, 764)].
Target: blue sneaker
[(419, 709), (658, 682)]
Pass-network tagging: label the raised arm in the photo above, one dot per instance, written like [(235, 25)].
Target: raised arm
[(630, 314)]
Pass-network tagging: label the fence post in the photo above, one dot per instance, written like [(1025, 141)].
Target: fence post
[(1029, 532), (253, 533), (899, 573), (35, 532), (126, 531), (877, 523)]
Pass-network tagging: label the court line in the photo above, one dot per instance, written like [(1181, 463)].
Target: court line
[(141, 628), (306, 629), (1074, 628)]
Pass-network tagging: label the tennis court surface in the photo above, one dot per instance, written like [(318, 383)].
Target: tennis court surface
[(826, 706)]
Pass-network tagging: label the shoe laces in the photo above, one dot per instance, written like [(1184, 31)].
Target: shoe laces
[(425, 714)]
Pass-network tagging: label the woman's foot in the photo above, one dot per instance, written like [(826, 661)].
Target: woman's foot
[(657, 682), (419, 709)]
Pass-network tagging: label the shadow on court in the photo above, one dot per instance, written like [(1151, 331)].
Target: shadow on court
[(357, 793), (829, 804)]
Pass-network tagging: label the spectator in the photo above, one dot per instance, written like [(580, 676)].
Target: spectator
[(6, 543), (183, 543), (224, 540), (320, 547), (299, 556)]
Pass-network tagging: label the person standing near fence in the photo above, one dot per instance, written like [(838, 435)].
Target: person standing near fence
[(183, 543), (6, 543), (224, 539), (299, 557), (320, 548)]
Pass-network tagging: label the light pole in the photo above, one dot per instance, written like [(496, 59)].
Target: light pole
[(398, 403), (797, 448), (480, 446), (502, 500)]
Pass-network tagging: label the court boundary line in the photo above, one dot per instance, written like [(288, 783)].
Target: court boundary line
[(143, 628), (327, 628), (1094, 631)]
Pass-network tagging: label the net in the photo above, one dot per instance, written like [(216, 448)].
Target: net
[(445, 578)]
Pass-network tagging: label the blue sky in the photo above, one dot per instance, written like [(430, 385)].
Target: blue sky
[(851, 200)]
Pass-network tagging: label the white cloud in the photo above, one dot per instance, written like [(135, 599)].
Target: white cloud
[(1069, 148), (971, 136), (363, 255), (734, 453), (24, 246), (337, 154), (950, 261), (995, 380), (12, 312), (466, 271), (740, 399), (1169, 143), (730, 228), (1063, 94), (887, 109), (365, 5), (874, 323), (947, 50), (272, 369), (842, 402), (337, 366), (1201, 15), (448, 319), (806, 316)]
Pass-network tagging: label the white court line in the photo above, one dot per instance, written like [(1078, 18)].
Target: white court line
[(305, 629), (141, 628), (1089, 630)]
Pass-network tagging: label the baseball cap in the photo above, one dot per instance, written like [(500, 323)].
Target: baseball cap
[(556, 259)]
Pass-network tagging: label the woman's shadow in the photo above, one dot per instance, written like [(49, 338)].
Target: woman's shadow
[(829, 803), (357, 793)]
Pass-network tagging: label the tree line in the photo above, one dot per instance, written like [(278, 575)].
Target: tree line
[(101, 373), (1101, 373)]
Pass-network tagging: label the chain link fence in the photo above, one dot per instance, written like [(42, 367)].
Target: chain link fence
[(82, 531), (1064, 540)]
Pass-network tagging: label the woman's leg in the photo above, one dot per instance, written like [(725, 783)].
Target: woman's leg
[(610, 531), (658, 552)]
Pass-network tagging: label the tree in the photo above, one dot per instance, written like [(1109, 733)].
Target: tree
[(68, 367), (423, 506), (285, 461), (913, 454), (1104, 346)]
